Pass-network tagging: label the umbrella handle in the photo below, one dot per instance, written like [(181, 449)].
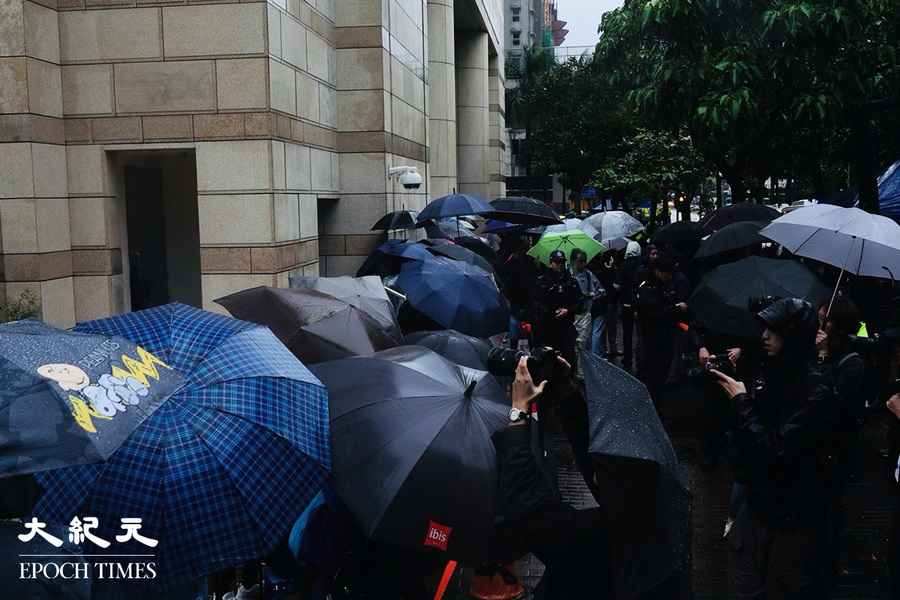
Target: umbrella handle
[(445, 580), (838, 284)]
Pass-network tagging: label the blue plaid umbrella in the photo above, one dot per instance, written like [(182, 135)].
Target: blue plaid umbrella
[(222, 469)]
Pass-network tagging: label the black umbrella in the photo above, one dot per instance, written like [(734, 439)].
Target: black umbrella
[(454, 205), (480, 248), (743, 234), (365, 293), (456, 251), (721, 300), (457, 347), (412, 452), (735, 213), (639, 479), (388, 258), (678, 233), (399, 219), (314, 326), (523, 211)]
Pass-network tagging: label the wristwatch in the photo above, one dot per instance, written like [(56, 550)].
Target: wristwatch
[(516, 415)]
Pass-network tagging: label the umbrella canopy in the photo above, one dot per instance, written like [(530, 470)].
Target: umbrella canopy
[(221, 470), (721, 300), (614, 224), (70, 398), (314, 326), (456, 295), (743, 234), (639, 476), (456, 347), (412, 447), (736, 213), (617, 243), (454, 205), (571, 224), (462, 254), (365, 293), (480, 247), (524, 211), (453, 227), (848, 238), (388, 258), (399, 219), (677, 233), (565, 241), (497, 226)]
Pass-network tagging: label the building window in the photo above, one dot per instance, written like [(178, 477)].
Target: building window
[(516, 41), (515, 18)]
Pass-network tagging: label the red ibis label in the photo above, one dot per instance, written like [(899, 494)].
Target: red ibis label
[(437, 536)]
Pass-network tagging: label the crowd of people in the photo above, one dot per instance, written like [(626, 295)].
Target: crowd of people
[(785, 410)]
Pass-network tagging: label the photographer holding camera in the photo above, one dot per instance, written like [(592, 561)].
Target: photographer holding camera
[(572, 544), (783, 431)]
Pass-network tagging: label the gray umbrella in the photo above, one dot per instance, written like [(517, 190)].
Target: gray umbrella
[(638, 477), (848, 238), (613, 224), (365, 293)]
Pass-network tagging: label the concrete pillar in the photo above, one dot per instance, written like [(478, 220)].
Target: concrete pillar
[(442, 97), (35, 243), (472, 119), (498, 155)]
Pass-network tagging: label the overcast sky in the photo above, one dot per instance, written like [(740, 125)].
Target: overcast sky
[(583, 17)]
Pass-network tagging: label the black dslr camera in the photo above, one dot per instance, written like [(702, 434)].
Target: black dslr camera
[(542, 363), (722, 364)]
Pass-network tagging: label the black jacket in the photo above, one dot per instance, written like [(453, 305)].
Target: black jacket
[(629, 278), (519, 274), (555, 290), (571, 543), (782, 438)]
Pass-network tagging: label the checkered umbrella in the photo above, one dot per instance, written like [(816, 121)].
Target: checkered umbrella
[(221, 470)]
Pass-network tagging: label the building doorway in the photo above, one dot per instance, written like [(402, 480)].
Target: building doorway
[(162, 231)]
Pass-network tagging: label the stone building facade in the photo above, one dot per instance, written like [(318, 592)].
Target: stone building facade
[(155, 150)]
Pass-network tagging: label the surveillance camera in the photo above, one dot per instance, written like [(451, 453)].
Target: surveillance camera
[(411, 180)]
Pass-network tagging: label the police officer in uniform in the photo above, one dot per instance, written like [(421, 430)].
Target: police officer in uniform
[(557, 298)]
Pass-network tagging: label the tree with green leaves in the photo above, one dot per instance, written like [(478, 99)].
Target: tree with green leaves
[(574, 122), (764, 89), (655, 165)]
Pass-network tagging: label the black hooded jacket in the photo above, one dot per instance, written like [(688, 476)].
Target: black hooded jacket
[(784, 430)]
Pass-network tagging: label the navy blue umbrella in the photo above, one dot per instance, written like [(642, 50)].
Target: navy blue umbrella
[(69, 398), (495, 226), (456, 295), (221, 470), (454, 205), (387, 258)]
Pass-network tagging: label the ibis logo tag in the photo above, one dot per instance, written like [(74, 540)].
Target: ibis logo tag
[(437, 536)]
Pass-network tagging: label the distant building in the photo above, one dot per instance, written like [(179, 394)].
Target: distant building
[(180, 151)]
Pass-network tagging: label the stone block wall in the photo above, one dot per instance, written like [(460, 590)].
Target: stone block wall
[(248, 88), (382, 109)]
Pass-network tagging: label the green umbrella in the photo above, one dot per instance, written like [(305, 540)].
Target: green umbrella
[(565, 241)]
